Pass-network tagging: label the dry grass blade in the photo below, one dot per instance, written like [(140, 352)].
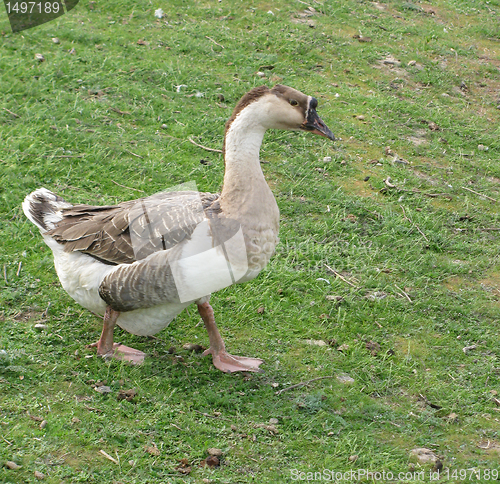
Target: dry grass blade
[(105, 454), (204, 147), (403, 293), (128, 188), (212, 40), (340, 276), (64, 156), (303, 383)]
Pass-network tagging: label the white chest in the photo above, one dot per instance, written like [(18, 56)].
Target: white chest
[(260, 247)]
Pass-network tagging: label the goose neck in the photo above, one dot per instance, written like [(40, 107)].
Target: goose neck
[(241, 155)]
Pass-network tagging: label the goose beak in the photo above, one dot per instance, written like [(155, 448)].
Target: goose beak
[(315, 124)]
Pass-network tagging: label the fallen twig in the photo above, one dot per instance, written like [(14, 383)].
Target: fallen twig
[(19, 268), (302, 383), (5, 274), (129, 188), (116, 110), (480, 194), (134, 154), (10, 112), (340, 276), (423, 235), (205, 414), (204, 147), (210, 416), (92, 409)]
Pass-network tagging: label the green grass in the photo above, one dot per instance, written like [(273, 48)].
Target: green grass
[(106, 103)]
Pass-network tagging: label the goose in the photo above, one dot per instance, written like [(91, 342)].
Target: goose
[(139, 263)]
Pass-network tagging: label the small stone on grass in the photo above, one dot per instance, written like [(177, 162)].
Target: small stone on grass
[(345, 379), (103, 389), (214, 451), (423, 456)]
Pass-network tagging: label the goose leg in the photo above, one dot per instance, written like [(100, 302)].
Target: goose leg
[(220, 357), (105, 346)]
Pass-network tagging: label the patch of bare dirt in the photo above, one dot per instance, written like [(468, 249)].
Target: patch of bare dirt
[(423, 176), (27, 315), (454, 283), (491, 283), (416, 140), (357, 187)]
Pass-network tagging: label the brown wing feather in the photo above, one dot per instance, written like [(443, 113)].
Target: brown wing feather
[(124, 233)]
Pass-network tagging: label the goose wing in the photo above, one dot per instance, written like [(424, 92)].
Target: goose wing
[(130, 231)]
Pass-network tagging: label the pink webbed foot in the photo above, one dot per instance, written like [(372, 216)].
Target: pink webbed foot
[(105, 346), (125, 353), (121, 352), (220, 357), (227, 363)]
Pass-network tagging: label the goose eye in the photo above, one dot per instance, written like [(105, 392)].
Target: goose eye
[(293, 102)]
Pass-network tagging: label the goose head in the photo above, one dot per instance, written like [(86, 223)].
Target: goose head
[(280, 107)]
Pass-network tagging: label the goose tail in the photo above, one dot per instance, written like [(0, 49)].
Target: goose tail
[(44, 208)]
